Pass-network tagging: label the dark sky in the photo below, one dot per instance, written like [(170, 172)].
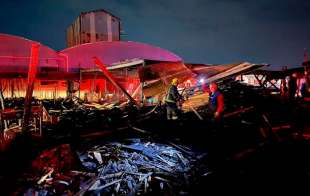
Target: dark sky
[(200, 31)]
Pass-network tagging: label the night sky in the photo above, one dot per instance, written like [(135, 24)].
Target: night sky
[(199, 31)]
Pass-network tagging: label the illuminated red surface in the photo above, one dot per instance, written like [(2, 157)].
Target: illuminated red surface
[(34, 60), (54, 68), (15, 55)]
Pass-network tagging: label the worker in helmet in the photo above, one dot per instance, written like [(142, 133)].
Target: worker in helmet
[(172, 100)]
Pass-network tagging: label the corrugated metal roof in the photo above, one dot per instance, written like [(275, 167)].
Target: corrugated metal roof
[(113, 52), (15, 54)]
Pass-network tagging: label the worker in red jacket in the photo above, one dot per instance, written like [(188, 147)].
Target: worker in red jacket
[(216, 101)]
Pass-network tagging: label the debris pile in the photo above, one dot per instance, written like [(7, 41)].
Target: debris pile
[(61, 159), (133, 167), (83, 119)]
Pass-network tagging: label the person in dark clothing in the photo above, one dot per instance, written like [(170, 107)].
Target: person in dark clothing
[(216, 102), (305, 87), (172, 100), (283, 89), (292, 86)]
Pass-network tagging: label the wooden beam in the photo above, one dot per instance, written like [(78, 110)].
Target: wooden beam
[(265, 81), (34, 60), (274, 85), (111, 79), (259, 80)]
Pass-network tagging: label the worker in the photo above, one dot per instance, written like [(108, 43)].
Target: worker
[(305, 86), (292, 87), (283, 88), (173, 100), (216, 102)]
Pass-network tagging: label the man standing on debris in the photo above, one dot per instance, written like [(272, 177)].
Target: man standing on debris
[(216, 102), (172, 100)]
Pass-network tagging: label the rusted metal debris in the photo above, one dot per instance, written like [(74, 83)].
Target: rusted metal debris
[(132, 167)]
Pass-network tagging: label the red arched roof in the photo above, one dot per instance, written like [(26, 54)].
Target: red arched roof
[(113, 52), (15, 54)]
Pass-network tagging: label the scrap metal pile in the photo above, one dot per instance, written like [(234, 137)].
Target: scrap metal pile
[(83, 118), (132, 167)]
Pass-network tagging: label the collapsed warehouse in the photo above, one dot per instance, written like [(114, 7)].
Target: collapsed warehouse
[(98, 126)]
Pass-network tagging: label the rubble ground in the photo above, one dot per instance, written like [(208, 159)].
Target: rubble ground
[(260, 138)]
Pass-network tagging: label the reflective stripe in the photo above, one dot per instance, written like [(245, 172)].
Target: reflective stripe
[(170, 101)]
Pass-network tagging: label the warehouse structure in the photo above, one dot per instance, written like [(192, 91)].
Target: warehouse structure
[(76, 64)]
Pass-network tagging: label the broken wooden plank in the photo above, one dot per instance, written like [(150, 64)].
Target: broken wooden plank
[(43, 178), (115, 175), (99, 188)]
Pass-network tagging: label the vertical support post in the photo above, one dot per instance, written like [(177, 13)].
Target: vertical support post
[(80, 81), (142, 85), (40, 125), (54, 94), (92, 89), (34, 60), (12, 88), (2, 125), (1, 99)]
